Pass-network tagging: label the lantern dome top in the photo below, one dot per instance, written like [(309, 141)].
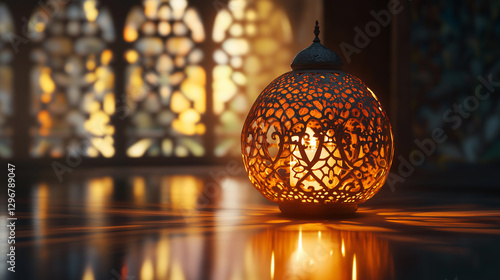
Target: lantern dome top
[(317, 56)]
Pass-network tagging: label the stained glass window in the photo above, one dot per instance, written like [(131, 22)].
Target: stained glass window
[(253, 41), (72, 81), (6, 90), (165, 84)]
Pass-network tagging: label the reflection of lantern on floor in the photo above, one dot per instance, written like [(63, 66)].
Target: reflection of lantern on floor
[(311, 251), (317, 140)]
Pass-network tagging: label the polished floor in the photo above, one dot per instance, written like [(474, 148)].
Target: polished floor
[(212, 224)]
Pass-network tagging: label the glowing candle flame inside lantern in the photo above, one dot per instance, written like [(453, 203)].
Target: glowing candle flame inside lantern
[(310, 146)]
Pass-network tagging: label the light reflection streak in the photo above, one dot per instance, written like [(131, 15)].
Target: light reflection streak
[(298, 252), (88, 273), (162, 257), (184, 192), (147, 272), (354, 269), (139, 187), (343, 248), (41, 210), (272, 265)]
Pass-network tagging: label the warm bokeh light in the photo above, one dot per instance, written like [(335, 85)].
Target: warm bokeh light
[(73, 81), (131, 56), (90, 8), (253, 47), (139, 148), (130, 34), (165, 86), (45, 122)]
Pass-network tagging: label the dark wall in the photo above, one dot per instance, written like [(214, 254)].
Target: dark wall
[(369, 61)]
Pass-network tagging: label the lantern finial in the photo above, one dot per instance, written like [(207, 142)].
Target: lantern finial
[(316, 32), (317, 56)]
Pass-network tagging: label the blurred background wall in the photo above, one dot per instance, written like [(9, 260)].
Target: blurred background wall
[(138, 83)]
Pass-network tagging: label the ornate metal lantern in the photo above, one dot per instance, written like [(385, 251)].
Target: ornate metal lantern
[(317, 141)]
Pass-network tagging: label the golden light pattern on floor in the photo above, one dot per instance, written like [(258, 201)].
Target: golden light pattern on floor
[(253, 40), (72, 81), (165, 84), (6, 82), (149, 225)]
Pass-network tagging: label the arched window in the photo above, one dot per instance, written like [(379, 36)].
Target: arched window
[(6, 90), (165, 85), (253, 40), (72, 81)]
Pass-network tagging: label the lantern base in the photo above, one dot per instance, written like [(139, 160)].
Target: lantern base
[(318, 210)]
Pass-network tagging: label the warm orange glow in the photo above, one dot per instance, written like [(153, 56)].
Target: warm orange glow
[(46, 82), (40, 27), (131, 56), (130, 33), (178, 7), (139, 188), (139, 148), (90, 8), (109, 104), (88, 274), (43, 197), (320, 139), (177, 272), (296, 252), (104, 145), (147, 272), (162, 257), (193, 22), (91, 64), (354, 269), (272, 265), (184, 192), (151, 8), (106, 57), (99, 191), (164, 28), (46, 97), (343, 248), (186, 124), (45, 122)]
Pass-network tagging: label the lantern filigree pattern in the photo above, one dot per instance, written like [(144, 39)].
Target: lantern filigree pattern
[(317, 137)]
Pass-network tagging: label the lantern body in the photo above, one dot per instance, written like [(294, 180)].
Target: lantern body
[(317, 141)]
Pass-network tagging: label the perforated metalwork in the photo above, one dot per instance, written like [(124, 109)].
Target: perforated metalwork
[(317, 137)]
